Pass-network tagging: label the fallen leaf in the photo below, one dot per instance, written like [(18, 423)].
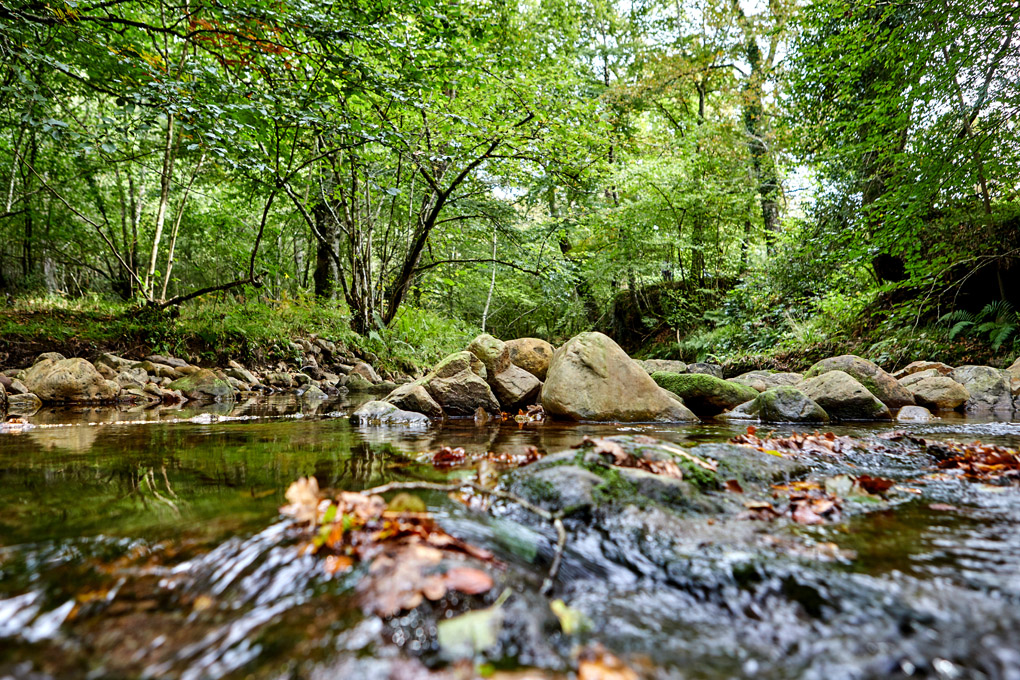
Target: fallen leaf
[(571, 620), (597, 663), (468, 580), (733, 486), (466, 635)]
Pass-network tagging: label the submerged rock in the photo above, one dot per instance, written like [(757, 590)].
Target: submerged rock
[(867, 373), (586, 478), (705, 394), (989, 388), (531, 354), (203, 385), (844, 398), (68, 380), (592, 378), (384, 413)]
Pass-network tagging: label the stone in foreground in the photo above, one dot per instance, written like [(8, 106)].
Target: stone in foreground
[(383, 413), (591, 378), (844, 398)]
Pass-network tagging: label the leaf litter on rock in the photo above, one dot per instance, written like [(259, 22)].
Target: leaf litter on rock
[(403, 544), (797, 442)]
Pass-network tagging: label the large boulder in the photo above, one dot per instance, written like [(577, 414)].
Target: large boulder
[(457, 362), (766, 380), (414, 397), (203, 385), (937, 391), (462, 394), (592, 378), (69, 380), (3, 402), (705, 394), (531, 354), (1014, 370), (706, 368), (458, 385), (989, 388), (843, 397), (785, 404), (918, 366), (877, 381), (515, 387), (512, 385), (492, 352), (384, 413), (666, 365)]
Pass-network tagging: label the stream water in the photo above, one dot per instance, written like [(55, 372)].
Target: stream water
[(149, 543)]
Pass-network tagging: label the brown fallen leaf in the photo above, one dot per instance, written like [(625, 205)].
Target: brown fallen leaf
[(597, 663), (447, 457), (733, 486), (874, 485), (468, 580)]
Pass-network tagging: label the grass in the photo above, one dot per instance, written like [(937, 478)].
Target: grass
[(252, 330)]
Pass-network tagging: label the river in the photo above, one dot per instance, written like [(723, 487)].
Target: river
[(149, 543)]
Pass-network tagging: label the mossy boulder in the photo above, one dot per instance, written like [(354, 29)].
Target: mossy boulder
[(492, 352), (68, 381), (867, 373), (705, 394), (582, 479), (844, 398), (989, 388), (749, 466), (591, 378), (785, 404), (203, 385)]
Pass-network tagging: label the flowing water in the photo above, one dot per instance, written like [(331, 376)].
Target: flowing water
[(149, 543)]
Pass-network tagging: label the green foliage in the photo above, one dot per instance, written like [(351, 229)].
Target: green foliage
[(998, 322)]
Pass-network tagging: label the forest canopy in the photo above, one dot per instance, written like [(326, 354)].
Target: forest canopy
[(722, 174)]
